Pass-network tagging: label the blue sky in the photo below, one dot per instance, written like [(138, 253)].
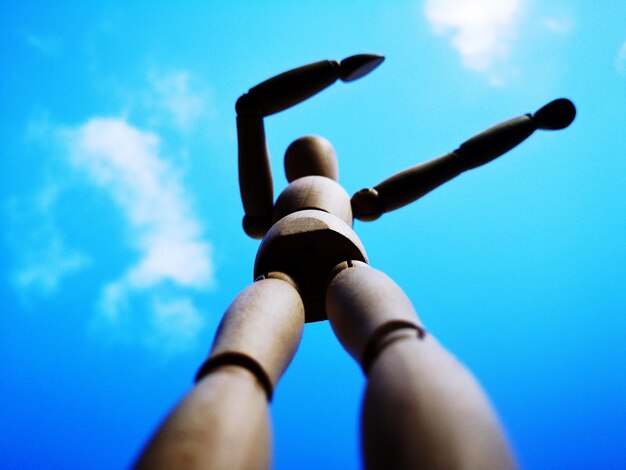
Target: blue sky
[(122, 243)]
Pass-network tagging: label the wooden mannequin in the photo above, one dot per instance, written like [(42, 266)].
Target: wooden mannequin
[(422, 408)]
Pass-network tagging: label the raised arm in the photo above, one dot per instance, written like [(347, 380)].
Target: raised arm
[(413, 183), (274, 95)]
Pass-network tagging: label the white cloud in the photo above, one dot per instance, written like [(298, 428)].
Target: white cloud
[(182, 98), (151, 300), (125, 162), (179, 318), (49, 45), (559, 25), (43, 259), (163, 318), (481, 30), (620, 60), (45, 266)]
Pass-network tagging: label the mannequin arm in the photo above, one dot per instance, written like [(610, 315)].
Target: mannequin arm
[(274, 95), (413, 183)]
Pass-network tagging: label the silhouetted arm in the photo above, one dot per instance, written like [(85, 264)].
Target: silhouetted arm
[(413, 183), (274, 95)]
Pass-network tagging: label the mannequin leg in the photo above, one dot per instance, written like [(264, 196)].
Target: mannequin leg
[(224, 421), (422, 408)]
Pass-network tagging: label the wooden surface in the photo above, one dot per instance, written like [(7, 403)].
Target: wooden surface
[(311, 155), (265, 323), (308, 244), (411, 184), (294, 86), (255, 176), (422, 408), (223, 423), (405, 187), (314, 192), (360, 300), (307, 156)]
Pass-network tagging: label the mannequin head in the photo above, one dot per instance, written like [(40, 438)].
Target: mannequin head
[(311, 155)]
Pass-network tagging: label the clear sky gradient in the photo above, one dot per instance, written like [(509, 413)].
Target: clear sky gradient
[(122, 245)]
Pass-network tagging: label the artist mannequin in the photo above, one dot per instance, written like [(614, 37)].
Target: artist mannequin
[(422, 408)]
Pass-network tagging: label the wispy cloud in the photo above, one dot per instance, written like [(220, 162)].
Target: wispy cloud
[(173, 257), (481, 30), (49, 45), (558, 24), (182, 99), (43, 259), (153, 298), (163, 318), (125, 161), (620, 59)]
